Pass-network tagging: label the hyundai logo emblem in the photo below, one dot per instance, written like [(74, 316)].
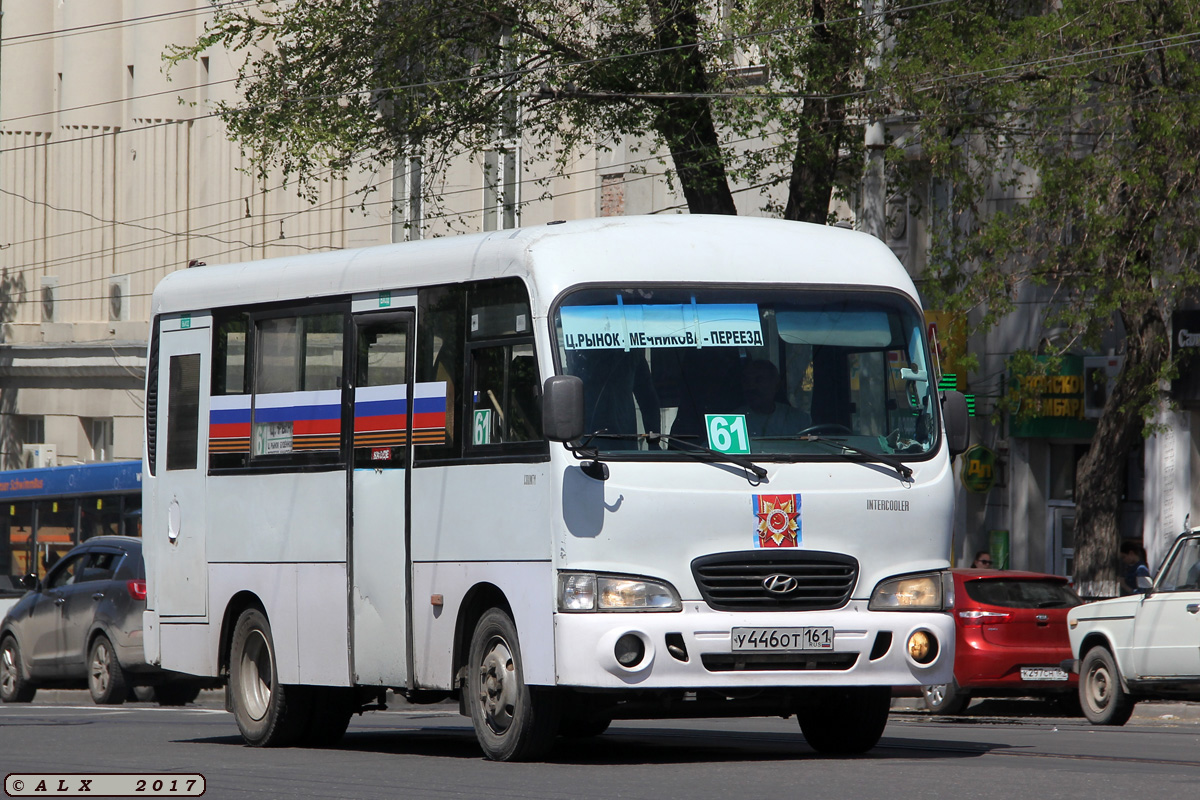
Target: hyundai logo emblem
[(778, 583)]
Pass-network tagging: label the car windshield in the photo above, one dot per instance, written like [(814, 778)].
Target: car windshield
[(1022, 593), (785, 373)]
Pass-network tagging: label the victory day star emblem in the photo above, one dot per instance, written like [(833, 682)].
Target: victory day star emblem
[(778, 519)]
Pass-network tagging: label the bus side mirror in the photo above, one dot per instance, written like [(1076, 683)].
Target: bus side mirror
[(958, 430), (562, 408)]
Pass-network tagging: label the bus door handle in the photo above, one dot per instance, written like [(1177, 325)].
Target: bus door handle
[(1193, 608), (98, 596)]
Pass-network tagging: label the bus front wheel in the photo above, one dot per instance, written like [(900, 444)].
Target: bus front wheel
[(513, 721), (268, 713), (845, 721)]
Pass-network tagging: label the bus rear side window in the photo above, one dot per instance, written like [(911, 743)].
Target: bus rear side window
[(183, 411), (297, 411)]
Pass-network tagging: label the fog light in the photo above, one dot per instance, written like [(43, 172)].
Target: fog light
[(630, 650), (922, 647)]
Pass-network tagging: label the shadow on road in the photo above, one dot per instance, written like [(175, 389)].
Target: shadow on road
[(635, 746)]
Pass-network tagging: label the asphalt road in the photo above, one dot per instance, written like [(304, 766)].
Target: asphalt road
[(996, 751)]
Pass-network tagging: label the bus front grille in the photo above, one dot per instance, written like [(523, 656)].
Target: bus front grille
[(767, 580)]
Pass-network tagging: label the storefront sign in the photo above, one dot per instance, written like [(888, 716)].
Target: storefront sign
[(1058, 411), (979, 469)]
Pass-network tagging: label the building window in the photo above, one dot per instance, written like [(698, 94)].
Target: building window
[(100, 438), (33, 430)]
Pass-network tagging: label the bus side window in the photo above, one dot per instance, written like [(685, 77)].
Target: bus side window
[(183, 411), (296, 415), (229, 446), (506, 395), (440, 326)]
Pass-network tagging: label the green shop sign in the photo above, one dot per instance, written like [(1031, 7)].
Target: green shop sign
[(979, 469), (1058, 412)]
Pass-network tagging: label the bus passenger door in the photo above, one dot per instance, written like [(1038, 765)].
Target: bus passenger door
[(177, 569), (381, 386)]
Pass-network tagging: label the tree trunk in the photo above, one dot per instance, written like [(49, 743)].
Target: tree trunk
[(815, 166), (686, 124), (822, 131), (1099, 479), (691, 135)]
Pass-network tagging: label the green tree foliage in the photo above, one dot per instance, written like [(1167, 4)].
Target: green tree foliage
[(1086, 112), (330, 84)]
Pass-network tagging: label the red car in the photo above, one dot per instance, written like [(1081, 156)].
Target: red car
[(1011, 636)]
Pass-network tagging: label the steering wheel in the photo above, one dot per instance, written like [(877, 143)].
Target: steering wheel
[(825, 427)]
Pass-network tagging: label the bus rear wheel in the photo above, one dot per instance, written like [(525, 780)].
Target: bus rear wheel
[(846, 721), (268, 713), (513, 721)]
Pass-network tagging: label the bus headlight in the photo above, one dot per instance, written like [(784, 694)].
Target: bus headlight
[(589, 591), (910, 593)]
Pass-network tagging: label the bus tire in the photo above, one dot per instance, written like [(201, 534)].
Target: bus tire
[(268, 713), (1104, 700), (847, 720), (105, 676), (15, 686), (513, 721)]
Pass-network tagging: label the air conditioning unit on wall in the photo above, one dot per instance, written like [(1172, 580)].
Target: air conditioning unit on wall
[(118, 298), (36, 456)]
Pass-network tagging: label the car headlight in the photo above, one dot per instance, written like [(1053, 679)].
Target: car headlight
[(912, 593), (589, 591)]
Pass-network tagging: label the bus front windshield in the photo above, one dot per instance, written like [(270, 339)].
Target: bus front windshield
[(779, 373)]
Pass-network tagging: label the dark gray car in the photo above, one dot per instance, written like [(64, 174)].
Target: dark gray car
[(83, 624)]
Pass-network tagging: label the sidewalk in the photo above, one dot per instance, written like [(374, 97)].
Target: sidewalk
[(1170, 711)]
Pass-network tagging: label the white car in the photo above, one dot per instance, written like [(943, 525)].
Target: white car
[(1143, 645)]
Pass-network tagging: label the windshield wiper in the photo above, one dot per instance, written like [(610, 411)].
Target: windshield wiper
[(692, 449), (903, 469)]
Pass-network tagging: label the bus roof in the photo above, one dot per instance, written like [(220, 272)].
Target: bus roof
[(553, 257)]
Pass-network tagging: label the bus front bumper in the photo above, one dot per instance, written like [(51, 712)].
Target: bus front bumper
[(694, 648)]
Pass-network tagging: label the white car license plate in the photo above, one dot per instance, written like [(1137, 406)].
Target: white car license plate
[(1042, 674), (781, 640)]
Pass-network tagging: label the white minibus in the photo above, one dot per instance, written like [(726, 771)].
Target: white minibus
[(620, 468)]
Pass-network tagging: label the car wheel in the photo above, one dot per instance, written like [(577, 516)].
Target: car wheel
[(15, 686), (179, 693), (946, 698), (106, 677), (513, 721), (268, 713), (846, 721), (1104, 700)]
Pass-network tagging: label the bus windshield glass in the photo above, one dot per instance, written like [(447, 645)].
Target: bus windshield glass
[(776, 372)]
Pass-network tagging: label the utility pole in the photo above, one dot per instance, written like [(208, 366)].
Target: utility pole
[(874, 184)]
